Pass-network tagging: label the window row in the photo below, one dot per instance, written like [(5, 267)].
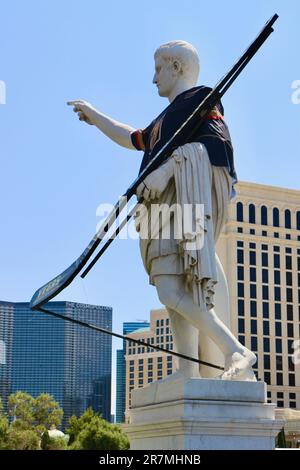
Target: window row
[(252, 216)]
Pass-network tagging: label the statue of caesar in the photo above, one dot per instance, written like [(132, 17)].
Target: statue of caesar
[(200, 170)]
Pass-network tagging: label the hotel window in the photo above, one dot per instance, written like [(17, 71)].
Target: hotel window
[(240, 230), (276, 248), (254, 343), (276, 235), (265, 292), (264, 215), (253, 325), (141, 382), (276, 277), (267, 361), (240, 256), (252, 214), (289, 278), (241, 307), (241, 325), (288, 262), (265, 309), (253, 291), (277, 311), (289, 312), (290, 330), (277, 293), (253, 275), (292, 380), (266, 344), (264, 259), (291, 365), (239, 212), (240, 289), (252, 257), (288, 236), (278, 346), (279, 378), (265, 276), (264, 233), (278, 328), (290, 346), (240, 273), (287, 218), (289, 295), (278, 362), (252, 231), (253, 308), (266, 328), (267, 377), (252, 246), (276, 261), (298, 220), (275, 217)]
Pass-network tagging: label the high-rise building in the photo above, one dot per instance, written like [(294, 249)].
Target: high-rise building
[(260, 252), (145, 364), (6, 335), (128, 327), (49, 355)]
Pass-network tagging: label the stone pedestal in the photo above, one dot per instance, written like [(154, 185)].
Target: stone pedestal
[(202, 414)]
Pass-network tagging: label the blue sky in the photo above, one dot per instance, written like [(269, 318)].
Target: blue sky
[(55, 170)]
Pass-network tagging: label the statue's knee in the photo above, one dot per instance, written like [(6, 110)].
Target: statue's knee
[(168, 294)]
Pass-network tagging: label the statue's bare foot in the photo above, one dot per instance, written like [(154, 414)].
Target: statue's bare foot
[(239, 366)]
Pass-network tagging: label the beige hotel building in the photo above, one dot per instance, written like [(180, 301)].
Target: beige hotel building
[(260, 252)]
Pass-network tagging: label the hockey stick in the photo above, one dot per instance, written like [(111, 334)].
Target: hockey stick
[(127, 338)]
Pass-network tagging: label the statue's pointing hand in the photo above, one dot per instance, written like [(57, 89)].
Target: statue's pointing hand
[(85, 111), (155, 183)]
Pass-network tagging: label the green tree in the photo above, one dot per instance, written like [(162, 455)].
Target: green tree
[(4, 427), (22, 439), (41, 412), (91, 432), (50, 443), (46, 411), (20, 406)]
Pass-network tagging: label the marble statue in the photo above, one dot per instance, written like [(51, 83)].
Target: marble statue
[(191, 284)]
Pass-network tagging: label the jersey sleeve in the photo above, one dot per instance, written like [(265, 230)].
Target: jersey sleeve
[(139, 138)]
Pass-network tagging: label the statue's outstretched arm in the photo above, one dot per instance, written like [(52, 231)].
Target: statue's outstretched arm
[(116, 131)]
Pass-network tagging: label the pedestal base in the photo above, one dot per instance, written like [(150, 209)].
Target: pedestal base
[(199, 414)]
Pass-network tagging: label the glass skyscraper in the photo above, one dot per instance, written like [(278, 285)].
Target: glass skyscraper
[(47, 354), (128, 327)]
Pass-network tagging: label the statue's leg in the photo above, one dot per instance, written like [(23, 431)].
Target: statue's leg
[(208, 350), (238, 359), (185, 340)]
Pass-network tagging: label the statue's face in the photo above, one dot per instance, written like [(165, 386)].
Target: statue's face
[(165, 76)]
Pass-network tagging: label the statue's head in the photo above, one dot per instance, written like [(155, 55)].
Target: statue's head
[(176, 66)]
